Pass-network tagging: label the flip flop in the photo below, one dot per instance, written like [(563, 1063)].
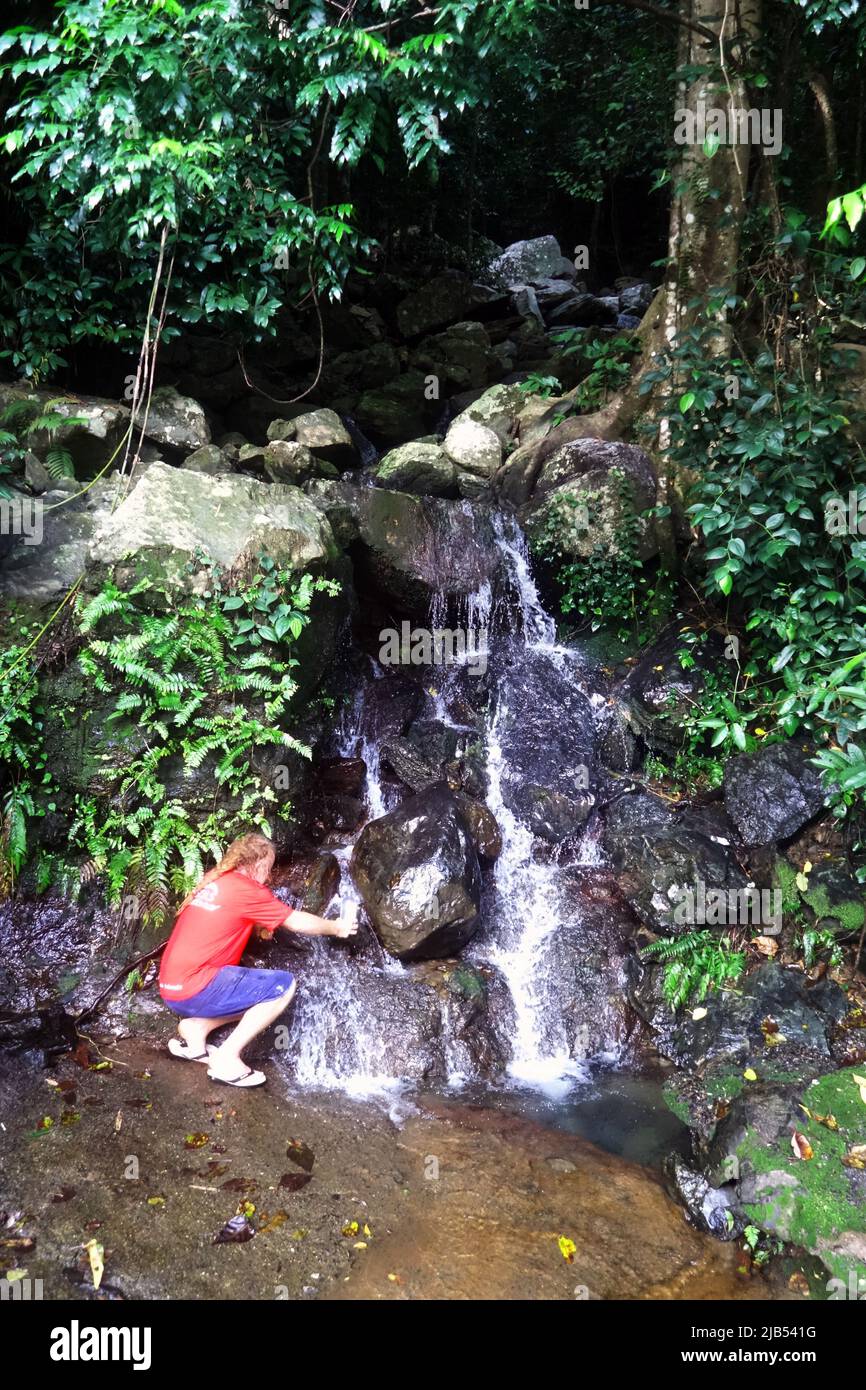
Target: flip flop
[(248, 1078), (178, 1048)]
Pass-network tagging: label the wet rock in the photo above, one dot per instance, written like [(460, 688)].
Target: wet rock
[(444, 300), (287, 461), (173, 514), (419, 468), (713, 1209), (176, 421), (772, 1002), (816, 1202), (415, 547), (208, 459), (524, 262), (42, 574), (588, 491), (552, 815), (667, 683), (36, 475), (313, 880), (772, 793), (325, 435), (662, 856), (402, 756), (546, 730), (483, 826), (417, 872), (350, 374)]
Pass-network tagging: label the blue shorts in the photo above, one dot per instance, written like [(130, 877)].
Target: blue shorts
[(233, 990)]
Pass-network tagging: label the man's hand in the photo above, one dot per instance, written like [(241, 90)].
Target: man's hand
[(307, 924), (344, 928)]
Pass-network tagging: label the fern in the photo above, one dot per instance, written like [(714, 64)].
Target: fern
[(695, 964)]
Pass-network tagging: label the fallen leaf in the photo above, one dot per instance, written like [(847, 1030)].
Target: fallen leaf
[(855, 1157), (240, 1185), (800, 1145), (698, 1014), (567, 1249), (156, 1201), (293, 1182), (767, 945), (394, 1279), (750, 1074), (828, 1121), (195, 1141), (300, 1153), (63, 1194), (351, 1228), (360, 1245), (278, 1219), (798, 1283), (96, 1255)]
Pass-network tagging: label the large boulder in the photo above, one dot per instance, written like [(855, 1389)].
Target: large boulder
[(414, 547), (418, 875), (402, 409), (663, 689), (447, 298), (173, 516), (583, 311), (773, 793), (419, 467), (807, 1197), (474, 450), (588, 492), (661, 856), (41, 574), (499, 408), (524, 262), (176, 421), (94, 432), (460, 357), (320, 431)]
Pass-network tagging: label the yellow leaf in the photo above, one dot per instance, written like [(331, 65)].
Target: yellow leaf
[(567, 1248), (698, 1014), (367, 1231), (95, 1253), (802, 882), (15, 1274), (750, 1074), (360, 1245)]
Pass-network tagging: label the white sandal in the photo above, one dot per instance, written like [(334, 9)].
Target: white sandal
[(178, 1048), (247, 1078)]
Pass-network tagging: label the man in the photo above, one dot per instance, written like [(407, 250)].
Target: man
[(200, 978)]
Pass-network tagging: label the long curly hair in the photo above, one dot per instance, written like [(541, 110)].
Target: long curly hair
[(243, 853)]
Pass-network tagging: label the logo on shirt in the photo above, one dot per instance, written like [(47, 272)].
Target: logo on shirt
[(207, 898)]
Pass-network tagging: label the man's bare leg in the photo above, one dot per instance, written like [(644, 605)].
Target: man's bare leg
[(194, 1031), (227, 1060)]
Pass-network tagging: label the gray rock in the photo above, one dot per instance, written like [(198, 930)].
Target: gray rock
[(772, 793), (173, 514), (524, 262), (325, 435), (473, 448), (445, 299), (208, 459), (287, 461), (418, 468), (418, 875), (176, 421), (587, 492)]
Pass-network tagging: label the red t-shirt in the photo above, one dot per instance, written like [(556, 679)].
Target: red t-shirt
[(213, 931)]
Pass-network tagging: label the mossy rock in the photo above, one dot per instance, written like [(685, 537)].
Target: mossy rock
[(818, 1203)]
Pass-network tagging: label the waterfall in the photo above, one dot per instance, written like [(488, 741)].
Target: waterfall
[(530, 911)]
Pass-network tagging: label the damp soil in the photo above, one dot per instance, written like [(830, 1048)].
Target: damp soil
[(431, 1197)]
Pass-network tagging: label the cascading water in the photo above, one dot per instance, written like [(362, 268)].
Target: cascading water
[(530, 910)]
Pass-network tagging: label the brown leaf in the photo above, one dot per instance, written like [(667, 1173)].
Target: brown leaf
[(195, 1141), (800, 1145), (299, 1152), (293, 1182)]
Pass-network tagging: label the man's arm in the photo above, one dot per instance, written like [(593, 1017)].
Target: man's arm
[(307, 924)]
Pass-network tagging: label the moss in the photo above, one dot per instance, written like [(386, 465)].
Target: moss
[(848, 912), (677, 1104), (786, 877), (814, 1201)]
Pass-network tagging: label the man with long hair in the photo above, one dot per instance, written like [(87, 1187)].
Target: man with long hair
[(200, 978)]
